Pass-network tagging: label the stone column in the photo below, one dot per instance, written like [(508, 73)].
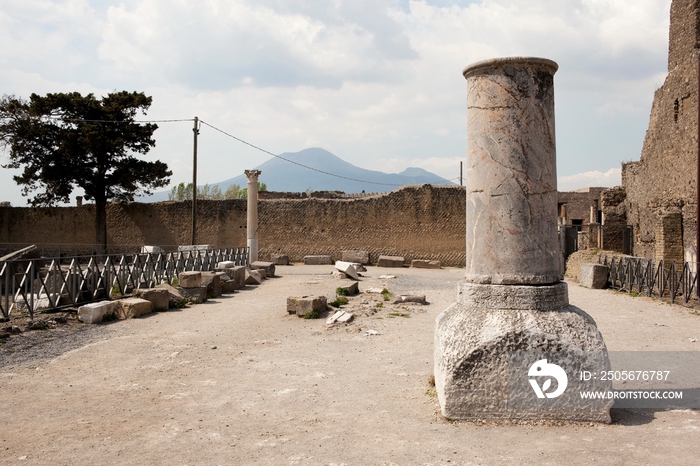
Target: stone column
[(252, 176), (512, 311)]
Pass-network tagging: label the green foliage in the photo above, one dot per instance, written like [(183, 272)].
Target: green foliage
[(312, 315), (339, 302), (380, 304), (399, 314), (244, 192), (183, 192), (66, 140), (340, 291), (233, 192), (387, 294)]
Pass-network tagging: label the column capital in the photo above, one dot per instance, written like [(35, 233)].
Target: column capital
[(252, 175)]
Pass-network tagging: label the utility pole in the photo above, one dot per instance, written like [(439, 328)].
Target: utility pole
[(460, 173), (194, 183)]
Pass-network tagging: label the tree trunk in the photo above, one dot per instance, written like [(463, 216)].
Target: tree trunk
[(101, 225)]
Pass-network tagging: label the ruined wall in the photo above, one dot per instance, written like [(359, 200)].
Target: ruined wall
[(663, 181), (426, 222)]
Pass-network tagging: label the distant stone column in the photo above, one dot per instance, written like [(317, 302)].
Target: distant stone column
[(506, 347), (252, 176)]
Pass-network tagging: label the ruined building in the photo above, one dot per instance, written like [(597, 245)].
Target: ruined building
[(661, 188)]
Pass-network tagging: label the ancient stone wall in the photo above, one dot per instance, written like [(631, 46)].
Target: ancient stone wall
[(663, 181), (423, 222)]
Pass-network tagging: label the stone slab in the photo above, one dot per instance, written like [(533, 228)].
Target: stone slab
[(347, 268), (361, 257), (390, 261), (417, 299), (128, 308), (175, 298), (93, 313), (253, 277), (594, 276), (279, 259), (225, 265), (159, 297), (303, 305), (151, 249), (268, 267), (318, 260), (193, 295), (212, 282), (425, 264), (190, 279)]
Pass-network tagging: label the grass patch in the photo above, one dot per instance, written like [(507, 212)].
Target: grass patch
[(399, 314), (312, 315), (340, 291), (431, 392), (387, 294), (338, 302), (380, 304)]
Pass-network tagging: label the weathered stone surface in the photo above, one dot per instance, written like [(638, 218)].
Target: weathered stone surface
[(425, 264), (93, 313), (159, 297), (337, 274), (190, 279), (332, 319), (268, 267), (262, 273), (236, 274), (132, 307), (408, 298), (194, 295), (359, 267), (212, 282), (594, 276), (195, 247), (390, 261), (279, 259), (318, 260), (477, 338), (303, 305), (225, 265), (347, 268), (228, 285), (253, 277), (345, 318), (361, 257), (151, 249), (349, 290), (176, 299)]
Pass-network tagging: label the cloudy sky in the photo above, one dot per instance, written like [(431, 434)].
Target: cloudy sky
[(376, 82)]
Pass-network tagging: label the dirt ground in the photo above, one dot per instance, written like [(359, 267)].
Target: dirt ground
[(239, 381)]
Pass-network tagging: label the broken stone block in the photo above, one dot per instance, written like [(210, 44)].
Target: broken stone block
[(594, 276), (225, 265), (304, 306), (280, 259), (318, 260), (227, 285), (132, 307), (236, 274), (420, 299), (348, 290), (176, 299), (339, 275), (253, 277), (190, 279), (340, 317), (268, 267), (390, 261), (159, 297), (212, 282), (151, 249), (332, 319), (359, 267), (361, 257), (194, 295), (425, 264), (347, 268), (93, 313)]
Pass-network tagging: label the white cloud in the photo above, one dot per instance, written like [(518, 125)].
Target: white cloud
[(610, 178)]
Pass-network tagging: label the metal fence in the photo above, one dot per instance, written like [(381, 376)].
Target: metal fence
[(52, 283), (636, 274)]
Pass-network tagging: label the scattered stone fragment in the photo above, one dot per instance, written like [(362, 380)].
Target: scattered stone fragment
[(390, 261), (268, 267), (332, 319), (93, 313), (348, 290), (318, 260), (159, 297), (361, 257), (212, 282), (279, 259), (594, 276), (345, 318), (41, 324), (359, 267), (410, 299), (252, 277), (175, 298), (384, 277), (132, 307), (425, 264), (225, 265), (194, 295), (374, 290), (371, 332), (190, 279), (339, 275), (347, 268), (302, 306)]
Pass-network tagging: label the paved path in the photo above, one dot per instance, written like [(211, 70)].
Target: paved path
[(238, 381)]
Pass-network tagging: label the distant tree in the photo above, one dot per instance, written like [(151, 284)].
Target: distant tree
[(67, 140), (244, 192), (183, 192), (233, 192)]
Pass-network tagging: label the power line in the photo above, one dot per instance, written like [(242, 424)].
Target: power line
[(118, 121), (292, 161)]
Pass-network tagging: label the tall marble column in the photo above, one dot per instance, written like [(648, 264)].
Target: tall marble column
[(252, 229), (512, 310)]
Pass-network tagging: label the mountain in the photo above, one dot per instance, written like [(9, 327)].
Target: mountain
[(282, 175)]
